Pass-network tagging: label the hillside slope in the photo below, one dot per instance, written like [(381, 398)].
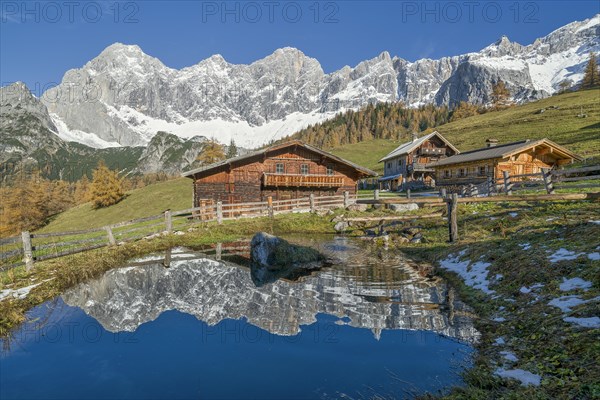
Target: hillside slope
[(561, 124), (149, 200)]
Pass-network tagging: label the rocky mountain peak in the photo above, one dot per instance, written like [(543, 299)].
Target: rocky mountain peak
[(287, 90), (15, 93)]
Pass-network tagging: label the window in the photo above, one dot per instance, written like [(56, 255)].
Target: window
[(447, 173), (482, 170), (389, 165), (330, 169), (461, 172), (304, 169), (279, 168)]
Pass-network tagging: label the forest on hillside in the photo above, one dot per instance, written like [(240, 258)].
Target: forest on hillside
[(393, 121)]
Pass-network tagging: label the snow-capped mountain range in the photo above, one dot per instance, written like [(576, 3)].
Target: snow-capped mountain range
[(123, 97)]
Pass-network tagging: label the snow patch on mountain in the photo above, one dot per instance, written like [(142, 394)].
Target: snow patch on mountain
[(88, 139)]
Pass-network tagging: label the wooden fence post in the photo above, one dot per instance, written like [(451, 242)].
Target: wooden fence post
[(219, 212), (311, 200), (547, 176), (109, 234), (408, 193), (452, 217), (270, 206), (376, 194), (507, 183), (490, 186), (346, 199), (27, 250), (168, 221), (443, 193)]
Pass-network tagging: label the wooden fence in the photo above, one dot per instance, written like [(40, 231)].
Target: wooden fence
[(29, 247), (500, 191), (546, 180)]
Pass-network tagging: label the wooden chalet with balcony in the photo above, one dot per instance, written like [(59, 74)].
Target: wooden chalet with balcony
[(518, 158), (285, 171), (407, 166)]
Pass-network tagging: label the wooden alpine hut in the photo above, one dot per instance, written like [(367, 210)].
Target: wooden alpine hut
[(284, 171)]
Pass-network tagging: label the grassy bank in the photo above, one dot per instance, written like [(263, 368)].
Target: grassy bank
[(519, 243)]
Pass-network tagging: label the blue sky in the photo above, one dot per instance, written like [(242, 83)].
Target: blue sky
[(41, 40)]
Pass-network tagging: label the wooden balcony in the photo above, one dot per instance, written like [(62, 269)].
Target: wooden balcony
[(419, 167), (294, 180), (431, 151)]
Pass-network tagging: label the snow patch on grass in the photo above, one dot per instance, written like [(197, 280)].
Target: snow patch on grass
[(499, 341), (591, 322), (509, 356), (473, 274), (525, 246), (20, 293), (525, 377), (566, 303), (525, 289), (574, 283), (595, 256), (563, 254)]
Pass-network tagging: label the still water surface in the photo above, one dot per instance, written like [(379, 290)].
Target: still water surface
[(369, 326)]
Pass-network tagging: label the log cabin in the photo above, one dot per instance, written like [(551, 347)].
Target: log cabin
[(523, 157), (285, 171), (407, 165)]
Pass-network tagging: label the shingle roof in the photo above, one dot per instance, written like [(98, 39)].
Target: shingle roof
[(249, 155), (501, 151), (406, 148)]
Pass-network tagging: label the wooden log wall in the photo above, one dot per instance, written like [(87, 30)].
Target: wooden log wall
[(243, 182)]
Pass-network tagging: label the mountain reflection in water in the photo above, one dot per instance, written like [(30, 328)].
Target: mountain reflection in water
[(363, 291)]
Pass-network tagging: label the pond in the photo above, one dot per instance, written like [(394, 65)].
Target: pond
[(368, 326)]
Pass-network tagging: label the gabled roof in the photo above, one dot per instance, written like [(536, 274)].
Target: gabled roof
[(248, 156), (410, 146), (505, 150)]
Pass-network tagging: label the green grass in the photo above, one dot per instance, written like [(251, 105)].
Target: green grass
[(150, 200), (581, 135), (367, 154)]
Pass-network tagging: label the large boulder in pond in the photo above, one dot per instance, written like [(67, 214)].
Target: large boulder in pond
[(272, 258)]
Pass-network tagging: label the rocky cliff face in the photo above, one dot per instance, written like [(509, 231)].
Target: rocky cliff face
[(25, 124), (212, 291), (125, 96), (30, 140), (170, 154)]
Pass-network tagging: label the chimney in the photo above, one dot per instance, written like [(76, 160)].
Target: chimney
[(491, 142), (414, 137)]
